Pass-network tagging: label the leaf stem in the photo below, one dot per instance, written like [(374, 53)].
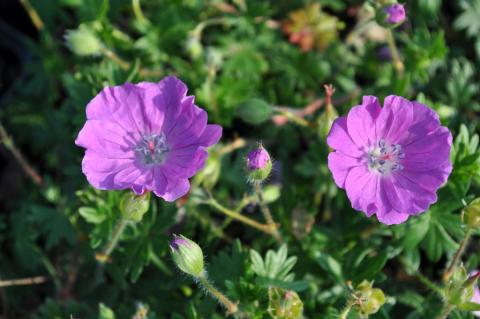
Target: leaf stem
[(23, 281), (446, 311), (293, 117), (117, 233), (267, 214), (241, 218), (124, 65), (32, 13), (428, 283), (224, 301), (458, 255), (396, 61), (27, 168), (346, 309), (137, 11)]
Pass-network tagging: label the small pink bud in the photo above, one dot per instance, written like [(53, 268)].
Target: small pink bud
[(258, 159), (395, 13), (259, 164)]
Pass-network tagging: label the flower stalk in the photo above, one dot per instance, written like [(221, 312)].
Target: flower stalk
[(396, 61), (32, 13), (104, 256), (137, 11), (458, 254), (446, 311), (6, 140), (346, 309), (241, 218), (266, 211), (221, 298), (124, 65)]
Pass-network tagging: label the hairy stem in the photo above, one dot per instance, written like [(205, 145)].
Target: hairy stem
[(266, 211), (117, 233), (346, 310), (458, 254), (222, 299), (241, 218), (396, 61), (446, 311)]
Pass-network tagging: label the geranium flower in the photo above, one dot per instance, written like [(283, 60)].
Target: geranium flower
[(147, 137), (390, 160)]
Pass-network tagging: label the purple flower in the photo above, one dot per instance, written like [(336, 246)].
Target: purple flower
[(258, 159), (395, 13), (147, 137), (390, 160)]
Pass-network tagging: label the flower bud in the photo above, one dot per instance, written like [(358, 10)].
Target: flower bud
[(259, 164), (471, 215), (194, 46), (325, 121), (285, 304), (133, 206), (187, 255), (395, 13), (372, 299), (460, 287), (83, 41)]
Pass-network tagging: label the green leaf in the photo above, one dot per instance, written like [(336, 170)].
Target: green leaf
[(416, 230), (329, 264), (468, 20), (254, 111), (470, 306), (298, 285), (370, 266), (257, 263), (105, 313), (91, 215)]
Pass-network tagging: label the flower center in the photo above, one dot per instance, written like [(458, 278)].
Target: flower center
[(385, 158), (152, 149)]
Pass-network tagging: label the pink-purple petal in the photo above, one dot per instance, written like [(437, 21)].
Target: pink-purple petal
[(361, 187), (340, 164), (392, 218), (340, 140), (394, 119), (360, 121)]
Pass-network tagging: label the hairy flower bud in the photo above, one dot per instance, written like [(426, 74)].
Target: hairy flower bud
[(194, 46), (187, 255), (259, 164), (395, 13), (133, 206), (471, 215), (83, 41), (372, 299)]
